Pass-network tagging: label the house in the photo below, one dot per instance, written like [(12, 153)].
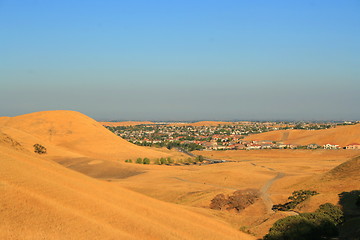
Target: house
[(355, 146), (253, 146), (331, 146), (237, 146), (312, 146), (286, 146), (221, 147), (266, 146)]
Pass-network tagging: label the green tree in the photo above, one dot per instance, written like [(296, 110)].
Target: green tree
[(321, 224), (146, 161), (200, 158), (169, 160), (162, 160), (139, 161), (333, 212)]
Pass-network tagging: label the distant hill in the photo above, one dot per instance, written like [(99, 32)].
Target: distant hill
[(202, 123), (125, 123), (41, 199), (341, 135), (77, 133)]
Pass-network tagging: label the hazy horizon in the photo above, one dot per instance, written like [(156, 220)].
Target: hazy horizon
[(182, 60)]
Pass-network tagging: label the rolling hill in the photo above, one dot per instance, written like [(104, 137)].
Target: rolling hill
[(43, 200), (77, 133), (342, 135), (348, 169)]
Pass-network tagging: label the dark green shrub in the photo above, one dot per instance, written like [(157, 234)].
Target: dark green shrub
[(146, 161), (321, 224), (169, 160), (296, 198), (310, 226), (333, 212), (139, 161), (163, 161), (200, 158), (40, 149)]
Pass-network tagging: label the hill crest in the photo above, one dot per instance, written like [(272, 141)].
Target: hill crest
[(78, 133)]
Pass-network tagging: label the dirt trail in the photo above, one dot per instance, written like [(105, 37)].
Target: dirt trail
[(265, 188), (265, 196), (285, 136), (264, 192)]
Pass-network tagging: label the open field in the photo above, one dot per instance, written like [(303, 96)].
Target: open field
[(276, 173)]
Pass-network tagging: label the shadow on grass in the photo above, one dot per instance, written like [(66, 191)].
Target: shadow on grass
[(350, 203)]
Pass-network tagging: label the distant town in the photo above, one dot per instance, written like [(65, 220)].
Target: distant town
[(223, 136)]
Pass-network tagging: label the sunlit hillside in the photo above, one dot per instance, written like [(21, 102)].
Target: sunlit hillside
[(341, 135), (77, 133), (43, 200)]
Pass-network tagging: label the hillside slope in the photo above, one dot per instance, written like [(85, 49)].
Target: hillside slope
[(349, 170), (341, 135), (43, 200), (77, 133)]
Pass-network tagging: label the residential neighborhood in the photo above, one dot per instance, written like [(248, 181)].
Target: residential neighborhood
[(221, 137)]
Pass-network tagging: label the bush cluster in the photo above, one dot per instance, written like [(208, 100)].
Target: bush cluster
[(321, 224), (142, 161), (164, 161), (39, 149), (296, 198), (238, 201), (168, 161)]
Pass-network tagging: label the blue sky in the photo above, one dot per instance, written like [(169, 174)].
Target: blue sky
[(182, 60)]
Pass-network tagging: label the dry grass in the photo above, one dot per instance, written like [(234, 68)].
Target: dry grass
[(341, 135), (41, 199), (79, 134), (195, 186)]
